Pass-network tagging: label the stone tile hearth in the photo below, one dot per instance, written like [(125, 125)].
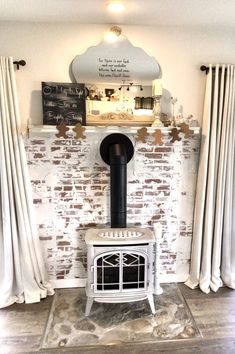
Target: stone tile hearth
[(117, 323)]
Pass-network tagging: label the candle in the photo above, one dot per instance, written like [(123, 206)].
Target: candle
[(157, 87)]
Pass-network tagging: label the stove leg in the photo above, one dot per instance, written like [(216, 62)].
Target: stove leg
[(89, 303), (151, 303)]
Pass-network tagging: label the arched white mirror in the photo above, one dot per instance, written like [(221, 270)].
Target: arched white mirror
[(119, 78)]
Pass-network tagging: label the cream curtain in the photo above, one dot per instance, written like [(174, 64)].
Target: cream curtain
[(22, 272), (213, 246)]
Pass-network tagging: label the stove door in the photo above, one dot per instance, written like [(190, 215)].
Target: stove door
[(120, 271)]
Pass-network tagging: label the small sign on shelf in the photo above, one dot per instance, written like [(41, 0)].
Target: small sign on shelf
[(63, 103)]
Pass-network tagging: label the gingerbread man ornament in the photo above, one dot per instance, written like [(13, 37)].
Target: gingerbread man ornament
[(62, 129), (184, 128), (79, 130), (142, 135), (175, 135), (157, 137)]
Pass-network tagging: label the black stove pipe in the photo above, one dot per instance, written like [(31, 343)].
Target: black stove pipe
[(117, 150), (118, 162)]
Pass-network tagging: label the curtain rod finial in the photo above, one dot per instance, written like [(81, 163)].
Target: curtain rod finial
[(19, 63), (204, 68)]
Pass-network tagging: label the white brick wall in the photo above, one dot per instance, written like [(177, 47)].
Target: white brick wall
[(71, 193)]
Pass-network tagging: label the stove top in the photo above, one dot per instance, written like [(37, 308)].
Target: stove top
[(116, 236)]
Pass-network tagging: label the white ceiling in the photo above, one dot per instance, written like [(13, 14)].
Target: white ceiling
[(187, 13)]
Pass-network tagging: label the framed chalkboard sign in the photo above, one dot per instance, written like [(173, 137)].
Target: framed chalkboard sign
[(63, 103)]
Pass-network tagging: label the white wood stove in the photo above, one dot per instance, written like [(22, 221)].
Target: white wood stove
[(120, 259), (119, 265)]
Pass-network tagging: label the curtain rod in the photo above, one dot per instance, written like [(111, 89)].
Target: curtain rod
[(19, 63)]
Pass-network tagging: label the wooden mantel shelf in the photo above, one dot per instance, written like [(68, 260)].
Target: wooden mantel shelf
[(49, 130)]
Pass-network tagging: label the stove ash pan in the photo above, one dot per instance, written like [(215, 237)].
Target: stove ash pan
[(119, 265)]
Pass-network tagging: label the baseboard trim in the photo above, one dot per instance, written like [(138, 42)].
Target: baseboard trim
[(69, 283), (173, 278)]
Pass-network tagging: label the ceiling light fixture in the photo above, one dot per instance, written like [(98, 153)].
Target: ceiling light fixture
[(116, 7), (131, 87)]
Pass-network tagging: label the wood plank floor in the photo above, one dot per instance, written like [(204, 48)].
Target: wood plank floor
[(22, 327)]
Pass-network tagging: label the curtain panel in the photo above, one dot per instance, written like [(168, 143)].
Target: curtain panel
[(213, 245), (22, 272)]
